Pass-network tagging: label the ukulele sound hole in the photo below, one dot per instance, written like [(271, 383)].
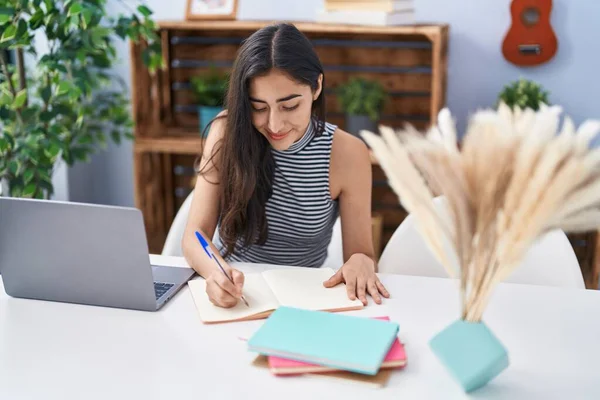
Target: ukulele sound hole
[(530, 16)]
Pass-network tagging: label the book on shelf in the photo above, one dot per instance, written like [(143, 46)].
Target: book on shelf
[(375, 18), (365, 5)]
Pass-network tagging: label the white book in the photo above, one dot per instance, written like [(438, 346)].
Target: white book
[(376, 18), (366, 5)]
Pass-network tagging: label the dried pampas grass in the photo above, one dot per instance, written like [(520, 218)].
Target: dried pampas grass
[(516, 176)]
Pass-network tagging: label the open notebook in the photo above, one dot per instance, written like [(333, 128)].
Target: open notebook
[(266, 291)]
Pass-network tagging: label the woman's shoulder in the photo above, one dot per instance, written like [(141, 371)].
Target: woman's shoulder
[(347, 146), (216, 130), (349, 159), (348, 153), (210, 153)]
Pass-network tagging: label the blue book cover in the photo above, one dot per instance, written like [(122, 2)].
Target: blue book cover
[(345, 342)]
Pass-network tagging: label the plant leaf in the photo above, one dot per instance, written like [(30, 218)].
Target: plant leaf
[(145, 11), (53, 150), (29, 113), (3, 145), (46, 93), (29, 190), (64, 87), (101, 140), (7, 11), (74, 93), (75, 9), (6, 14), (116, 137), (47, 116), (86, 18), (13, 167), (21, 29), (85, 139), (6, 99), (44, 176), (9, 33), (20, 99), (28, 175), (81, 153), (16, 191)]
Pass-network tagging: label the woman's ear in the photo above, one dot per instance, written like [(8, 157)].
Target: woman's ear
[(317, 92)]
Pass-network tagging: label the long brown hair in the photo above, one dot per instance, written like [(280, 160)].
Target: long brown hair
[(246, 165)]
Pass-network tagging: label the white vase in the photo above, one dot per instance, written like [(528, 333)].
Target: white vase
[(4, 188)]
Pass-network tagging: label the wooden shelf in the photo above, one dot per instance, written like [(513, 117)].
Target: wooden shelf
[(188, 145), (427, 30), (184, 145)]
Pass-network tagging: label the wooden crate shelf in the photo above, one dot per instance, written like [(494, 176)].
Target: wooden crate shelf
[(171, 144), (409, 61), (226, 27), (189, 145)]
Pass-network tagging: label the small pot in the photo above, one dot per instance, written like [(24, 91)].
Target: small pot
[(205, 115), (4, 188), (356, 123), (471, 353)]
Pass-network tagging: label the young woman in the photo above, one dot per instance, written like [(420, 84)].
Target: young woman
[(274, 176)]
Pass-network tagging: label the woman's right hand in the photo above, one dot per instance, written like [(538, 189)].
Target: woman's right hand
[(221, 291)]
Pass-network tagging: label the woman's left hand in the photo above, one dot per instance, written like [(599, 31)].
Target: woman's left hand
[(360, 278)]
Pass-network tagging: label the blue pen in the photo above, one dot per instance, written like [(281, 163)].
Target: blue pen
[(210, 254)]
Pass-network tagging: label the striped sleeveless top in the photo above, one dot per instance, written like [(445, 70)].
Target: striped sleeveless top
[(300, 213)]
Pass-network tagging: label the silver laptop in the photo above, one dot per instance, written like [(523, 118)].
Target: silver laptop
[(81, 253)]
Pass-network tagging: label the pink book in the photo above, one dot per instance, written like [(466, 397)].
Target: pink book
[(396, 358)]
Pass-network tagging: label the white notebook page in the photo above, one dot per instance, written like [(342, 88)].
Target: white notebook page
[(303, 288), (255, 291)]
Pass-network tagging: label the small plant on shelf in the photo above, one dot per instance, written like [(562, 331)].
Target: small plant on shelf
[(209, 90), (362, 101), (523, 94)]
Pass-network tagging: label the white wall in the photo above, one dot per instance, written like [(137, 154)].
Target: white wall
[(477, 71)]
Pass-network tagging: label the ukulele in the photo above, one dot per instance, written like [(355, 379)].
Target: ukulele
[(530, 39)]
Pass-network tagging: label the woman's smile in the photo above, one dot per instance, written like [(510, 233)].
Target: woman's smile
[(279, 135)]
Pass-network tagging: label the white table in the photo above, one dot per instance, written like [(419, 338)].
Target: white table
[(64, 351)]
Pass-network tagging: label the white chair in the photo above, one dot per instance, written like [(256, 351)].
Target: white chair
[(172, 247), (335, 251), (550, 261), (407, 253)]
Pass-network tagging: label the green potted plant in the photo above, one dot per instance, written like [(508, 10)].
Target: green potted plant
[(362, 101), (209, 90), (523, 93), (66, 103)]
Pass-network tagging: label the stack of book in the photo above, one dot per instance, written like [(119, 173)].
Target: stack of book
[(297, 341), (367, 12)]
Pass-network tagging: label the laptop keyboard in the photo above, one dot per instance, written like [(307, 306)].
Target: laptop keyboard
[(161, 288)]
